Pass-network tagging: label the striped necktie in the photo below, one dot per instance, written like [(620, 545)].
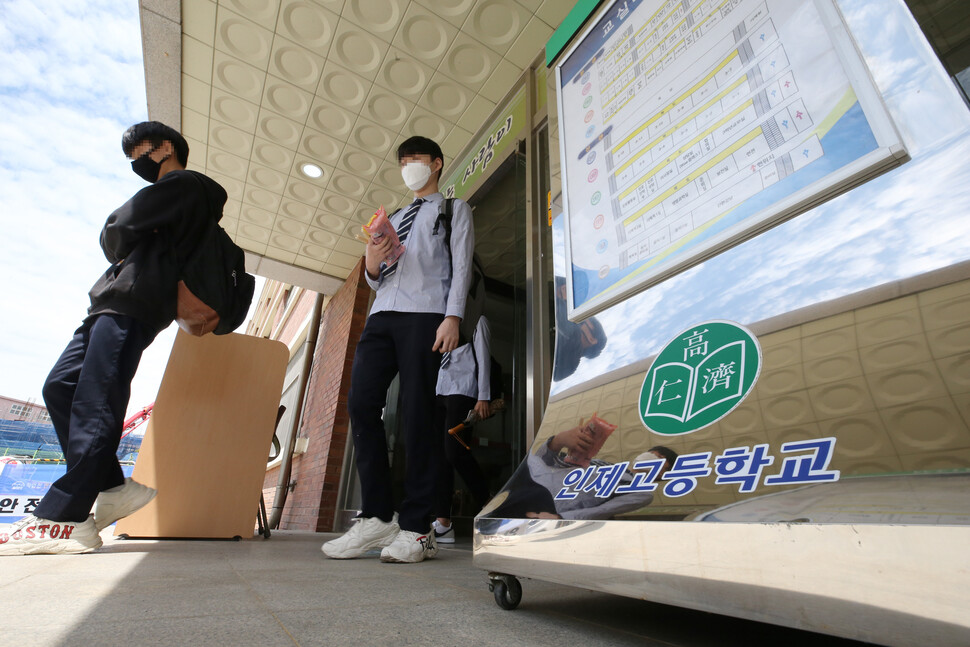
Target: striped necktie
[(402, 232), (445, 359)]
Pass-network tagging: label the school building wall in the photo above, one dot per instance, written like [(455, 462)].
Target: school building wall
[(312, 503)]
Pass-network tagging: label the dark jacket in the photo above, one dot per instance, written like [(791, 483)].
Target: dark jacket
[(147, 240)]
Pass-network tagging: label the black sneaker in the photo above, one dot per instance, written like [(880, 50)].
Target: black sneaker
[(443, 535)]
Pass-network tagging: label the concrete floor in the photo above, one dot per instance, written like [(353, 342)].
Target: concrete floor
[(283, 591)]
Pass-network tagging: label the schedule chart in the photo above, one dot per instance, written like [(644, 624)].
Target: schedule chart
[(675, 114)]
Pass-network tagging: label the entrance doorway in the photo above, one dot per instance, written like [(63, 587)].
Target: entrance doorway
[(500, 215)]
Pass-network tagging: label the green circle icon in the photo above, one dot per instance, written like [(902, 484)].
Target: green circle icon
[(699, 377)]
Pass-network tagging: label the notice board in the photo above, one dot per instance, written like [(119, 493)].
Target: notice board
[(689, 126)]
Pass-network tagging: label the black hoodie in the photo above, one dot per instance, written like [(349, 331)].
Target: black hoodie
[(147, 240)]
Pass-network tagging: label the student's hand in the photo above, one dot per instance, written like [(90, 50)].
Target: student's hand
[(577, 439), (374, 255), (446, 338), (483, 409)]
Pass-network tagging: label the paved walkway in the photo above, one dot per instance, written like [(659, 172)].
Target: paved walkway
[(282, 591)]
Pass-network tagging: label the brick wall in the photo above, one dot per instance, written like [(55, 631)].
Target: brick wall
[(312, 503)]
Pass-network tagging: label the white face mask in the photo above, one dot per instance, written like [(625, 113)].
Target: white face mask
[(416, 175)]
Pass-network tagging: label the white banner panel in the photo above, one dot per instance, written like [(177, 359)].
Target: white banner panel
[(688, 126)]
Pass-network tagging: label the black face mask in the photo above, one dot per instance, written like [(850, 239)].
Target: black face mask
[(146, 168)]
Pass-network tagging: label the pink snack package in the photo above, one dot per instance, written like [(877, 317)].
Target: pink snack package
[(600, 430), (378, 227)]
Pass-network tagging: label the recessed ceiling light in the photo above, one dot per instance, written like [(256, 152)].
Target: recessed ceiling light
[(311, 170)]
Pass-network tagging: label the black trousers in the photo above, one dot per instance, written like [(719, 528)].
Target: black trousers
[(86, 394), (392, 343), (451, 411)]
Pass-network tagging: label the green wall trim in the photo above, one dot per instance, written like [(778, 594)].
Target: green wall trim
[(570, 25)]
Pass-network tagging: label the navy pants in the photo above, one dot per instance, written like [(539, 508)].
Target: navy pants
[(87, 395), (451, 411), (392, 343)]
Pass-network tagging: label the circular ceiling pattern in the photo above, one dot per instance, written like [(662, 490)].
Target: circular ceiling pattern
[(308, 25), (358, 51), (424, 37), (469, 63), (322, 147), (263, 11), (337, 203), (263, 199), (287, 100), (234, 111), (346, 184), (390, 176), (427, 125), (267, 178), (228, 164), (304, 192), (296, 66), (330, 222), (256, 216), (343, 88), (337, 84), (447, 98), (297, 210), (287, 243), (322, 238), (291, 227), (378, 197), (372, 138), (359, 163), (380, 16), (230, 139), (331, 119), (259, 234), (495, 22), (453, 8), (244, 40), (279, 130), (272, 155), (240, 79), (387, 109), (404, 76), (315, 251)]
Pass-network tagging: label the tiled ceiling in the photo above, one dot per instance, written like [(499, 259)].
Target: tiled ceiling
[(270, 85)]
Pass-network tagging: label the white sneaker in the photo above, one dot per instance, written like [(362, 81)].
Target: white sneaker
[(442, 534), (121, 501), (410, 547), (365, 534), (33, 536)]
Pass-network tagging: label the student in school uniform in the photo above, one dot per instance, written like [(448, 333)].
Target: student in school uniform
[(464, 383), (419, 303)]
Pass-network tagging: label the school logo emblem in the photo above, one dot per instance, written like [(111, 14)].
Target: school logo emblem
[(699, 377)]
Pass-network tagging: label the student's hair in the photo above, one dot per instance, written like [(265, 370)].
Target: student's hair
[(669, 454), (418, 145), (155, 132)]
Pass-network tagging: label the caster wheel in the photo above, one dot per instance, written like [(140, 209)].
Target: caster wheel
[(507, 591)]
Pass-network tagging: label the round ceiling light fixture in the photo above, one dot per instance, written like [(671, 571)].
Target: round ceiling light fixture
[(311, 170)]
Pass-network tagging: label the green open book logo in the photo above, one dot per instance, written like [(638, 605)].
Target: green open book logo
[(699, 377)]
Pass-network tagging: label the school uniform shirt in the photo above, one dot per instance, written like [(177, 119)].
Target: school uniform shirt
[(427, 279), (459, 376)]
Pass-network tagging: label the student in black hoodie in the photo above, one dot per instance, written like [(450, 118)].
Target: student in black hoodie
[(145, 240)]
